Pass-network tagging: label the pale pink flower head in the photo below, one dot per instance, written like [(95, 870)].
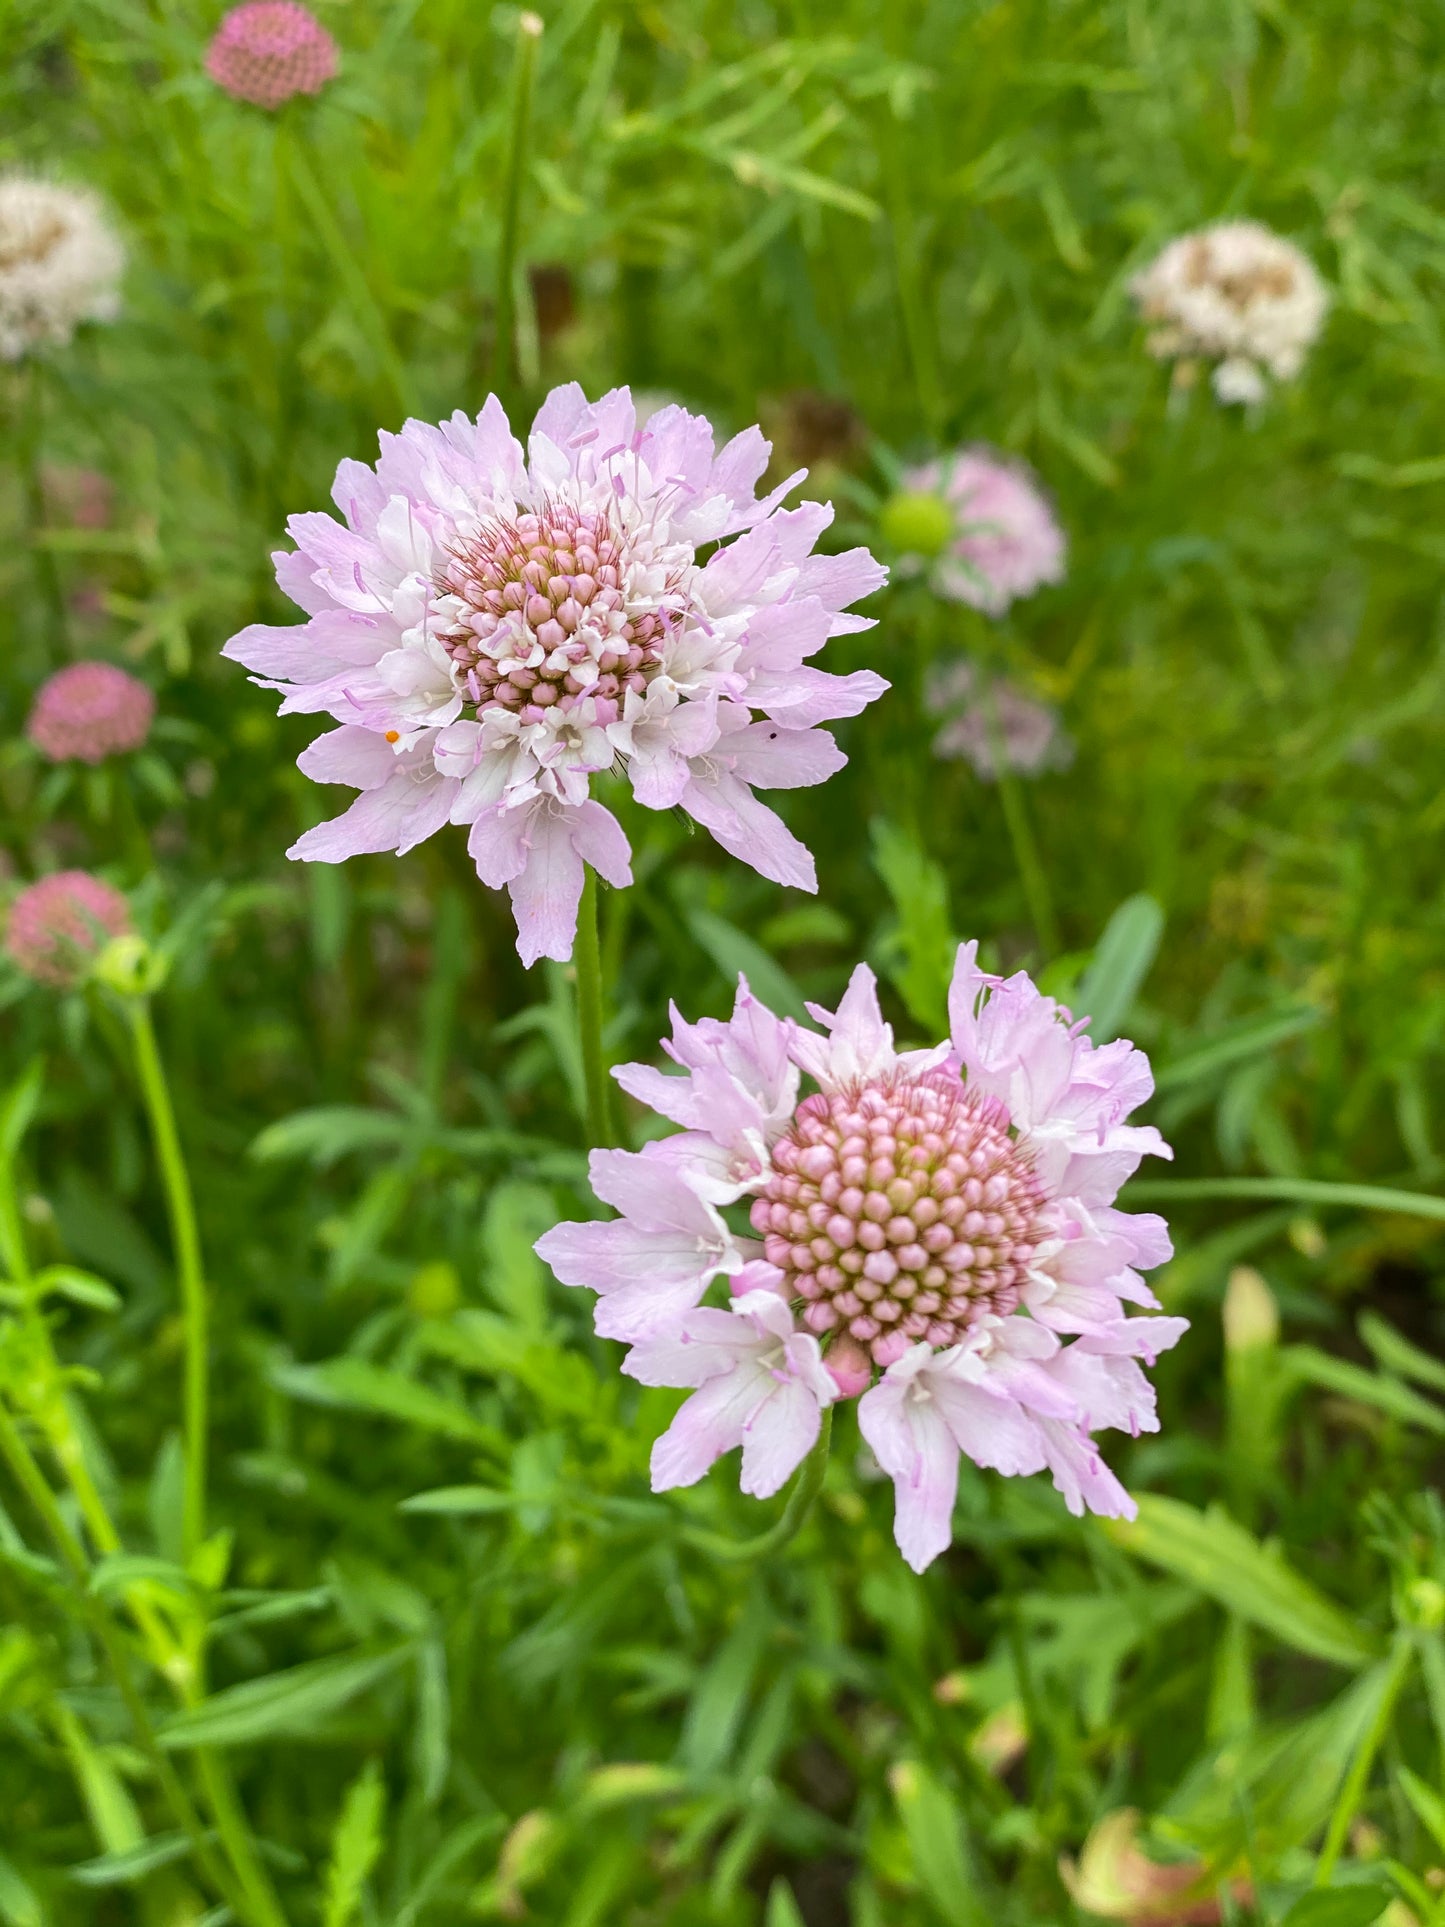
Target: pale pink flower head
[(492, 628), (58, 926), (268, 51), (979, 728), (935, 1230), (88, 712), (1004, 541)]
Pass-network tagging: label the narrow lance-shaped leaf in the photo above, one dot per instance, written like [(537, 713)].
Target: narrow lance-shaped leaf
[(1224, 1561)]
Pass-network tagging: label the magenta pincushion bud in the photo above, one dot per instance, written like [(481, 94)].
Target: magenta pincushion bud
[(494, 627), (88, 712), (937, 1233), (268, 51), (1005, 541), (60, 924)]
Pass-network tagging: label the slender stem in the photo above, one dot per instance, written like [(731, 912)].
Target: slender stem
[(587, 959), (524, 69), (32, 440), (1353, 1789), (29, 1478), (187, 1243), (808, 1485), (1367, 1197), (1016, 818), (188, 1679), (364, 305)]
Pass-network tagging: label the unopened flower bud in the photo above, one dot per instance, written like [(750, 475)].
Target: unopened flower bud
[(1251, 1317), (128, 966), (916, 523), (849, 1366)]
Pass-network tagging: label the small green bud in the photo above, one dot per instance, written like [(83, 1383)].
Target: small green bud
[(129, 967), (916, 524), (1424, 1604), (435, 1290)]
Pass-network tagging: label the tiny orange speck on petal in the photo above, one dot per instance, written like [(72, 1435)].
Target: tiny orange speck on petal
[(393, 735)]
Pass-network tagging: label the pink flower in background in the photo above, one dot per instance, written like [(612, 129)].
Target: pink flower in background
[(492, 629), (1005, 541), (88, 712), (78, 498), (268, 51), (58, 925), (1027, 732), (943, 1217)]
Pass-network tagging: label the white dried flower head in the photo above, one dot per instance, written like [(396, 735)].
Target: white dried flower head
[(60, 264), (1236, 294)]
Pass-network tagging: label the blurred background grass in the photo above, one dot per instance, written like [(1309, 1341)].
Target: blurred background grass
[(882, 231)]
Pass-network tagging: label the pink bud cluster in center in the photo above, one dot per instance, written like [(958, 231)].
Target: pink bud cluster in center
[(550, 622), (901, 1210)]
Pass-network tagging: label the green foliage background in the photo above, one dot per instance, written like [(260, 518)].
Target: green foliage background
[(883, 230)]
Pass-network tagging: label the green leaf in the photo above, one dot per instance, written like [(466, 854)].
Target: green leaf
[(330, 1132), (1397, 1354), (515, 1277), (924, 942), (17, 1108), (460, 1501), (80, 1287), (1358, 1905), (123, 1869), (1388, 1395), (1121, 962), (942, 1861), (117, 1572), (355, 1845), (782, 1908), (1252, 1038), (19, 1903), (1428, 1805), (359, 1386), (736, 954), (288, 1702), (1224, 1561)]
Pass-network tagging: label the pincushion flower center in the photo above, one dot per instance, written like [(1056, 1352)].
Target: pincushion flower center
[(548, 613), (901, 1209)]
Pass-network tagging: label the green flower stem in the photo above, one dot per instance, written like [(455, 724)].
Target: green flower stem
[(587, 960), (185, 1672), (31, 441), (1363, 1197), (524, 70), (807, 1486), (1351, 1793), (364, 305), (187, 1242), (29, 1478), (1016, 818)]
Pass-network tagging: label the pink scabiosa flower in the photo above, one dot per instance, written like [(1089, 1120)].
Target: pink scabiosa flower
[(942, 1221), (492, 629), (88, 712), (1024, 731), (59, 925), (268, 51), (982, 527)]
